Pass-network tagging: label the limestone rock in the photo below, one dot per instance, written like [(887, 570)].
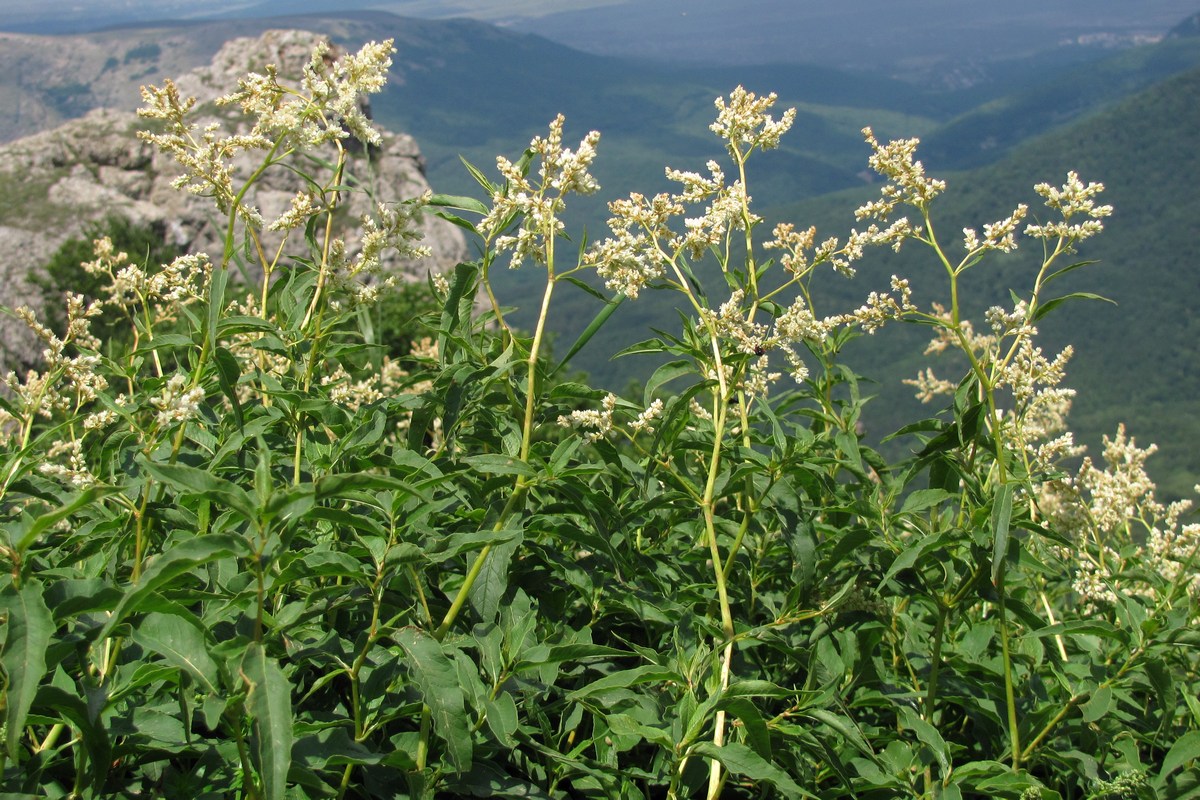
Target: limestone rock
[(55, 183)]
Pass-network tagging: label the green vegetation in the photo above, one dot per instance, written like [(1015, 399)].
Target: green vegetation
[(256, 557), (64, 273), (1083, 114)]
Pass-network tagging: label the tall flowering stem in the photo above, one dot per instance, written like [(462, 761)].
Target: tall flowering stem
[(1004, 360)]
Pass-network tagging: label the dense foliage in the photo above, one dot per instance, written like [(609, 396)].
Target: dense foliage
[(251, 554)]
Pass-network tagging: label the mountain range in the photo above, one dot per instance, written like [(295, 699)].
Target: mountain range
[(1113, 109)]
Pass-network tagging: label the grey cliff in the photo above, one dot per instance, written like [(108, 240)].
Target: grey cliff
[(55, 183)]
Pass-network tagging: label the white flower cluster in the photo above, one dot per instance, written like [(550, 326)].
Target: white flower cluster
[(1001, 235), (373, 387), (74, 472), (328, 109), (1102, 508), (395, 229), (66, 382), (207, 161), (164, 291), (178, 402), (881, 306), (907, 181), (598, 423), (537, 207), (744, 124), (1003, 321), (642, 241), (1073, 200), (631, 257)]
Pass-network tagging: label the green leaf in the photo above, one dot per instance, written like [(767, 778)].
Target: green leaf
[(458, 201), (178, 640), (1069, 268), (1080, 627), (842, 725), (665, 374), (754, 727), (192, 480), (437, 679), (928, 736), (479, 177), (625, 725), (269, 702), (1185, 749), (496, 464), (649, 673), (597, 322), (217, 282), (1098, 705), (1048, 306), (568, 652), (489, 588), (1001, 519), (164, 568), (470, 541), (914, 553), (502, 718), (51, 518), (741, 760), (925, 498), (29, 630), (847, 443), (228, 373)]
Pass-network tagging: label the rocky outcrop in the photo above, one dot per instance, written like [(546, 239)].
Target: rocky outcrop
[(54, 184)]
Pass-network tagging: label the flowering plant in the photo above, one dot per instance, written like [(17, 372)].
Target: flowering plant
[(254, 555)]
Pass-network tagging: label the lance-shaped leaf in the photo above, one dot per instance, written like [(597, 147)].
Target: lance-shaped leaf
[(168, 566), (182, 644), (437, 680), (269, 701), (741, 760), (29, 629)]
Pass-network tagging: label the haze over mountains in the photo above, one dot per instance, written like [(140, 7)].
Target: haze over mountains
[(1109, 88)]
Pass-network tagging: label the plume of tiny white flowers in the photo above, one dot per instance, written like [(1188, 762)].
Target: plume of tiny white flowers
[(394, 229), (744, 124), (1000, 235), (929, 386), (729, 322), (881, 307), (205, 157), (441, 286), (177, 403), (562, 172), (67, 382), (631, 258), (327, 109), (1100, 508), (302, 207), (644, 422), (73, 470), (372, 387), (163, 291), (907, 182), (598, 423), (1077, 205), (595, 423)]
